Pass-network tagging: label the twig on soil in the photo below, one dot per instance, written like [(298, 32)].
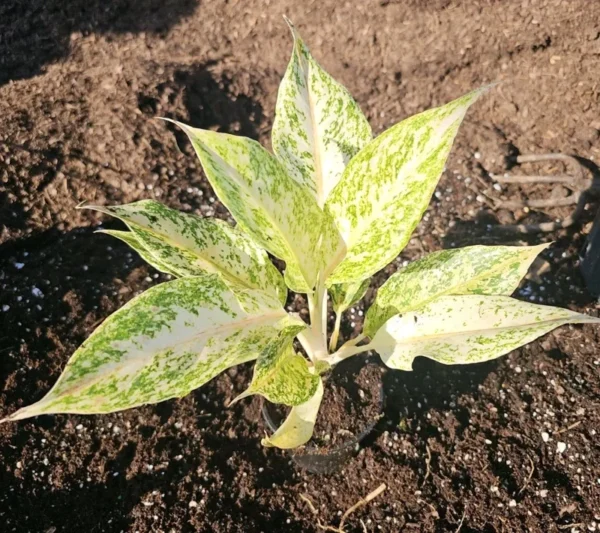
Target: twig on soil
[(567, 526), (360, 503), (427, 464), (528, 477), (340, 529), (581, 188), (564, 430), (309, 503), (433, 509), (460, 524)]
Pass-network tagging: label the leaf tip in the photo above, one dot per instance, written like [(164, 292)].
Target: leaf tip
[(239, 397), (20, 414)]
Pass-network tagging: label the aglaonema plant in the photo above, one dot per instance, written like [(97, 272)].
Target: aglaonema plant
[(336, 206)]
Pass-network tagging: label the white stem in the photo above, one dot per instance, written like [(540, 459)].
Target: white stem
[(354, 341), (336, 332), (348, 351), (317, 307), (312, 345)]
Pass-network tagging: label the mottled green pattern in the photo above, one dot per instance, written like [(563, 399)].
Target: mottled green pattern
[(279, 214), (387, 186), (472, 270), (163, 344), (129, 238), (280, 374), (467, 329), (318, 126), (298, 427), (345, 295), (183, 244)]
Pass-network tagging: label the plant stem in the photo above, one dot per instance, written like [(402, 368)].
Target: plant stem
[(317, 307), (354, 341), (336, 332), (347, 351)]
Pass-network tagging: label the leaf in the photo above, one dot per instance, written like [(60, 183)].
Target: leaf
[(183, 244), (130, 239), (277, 212), (318, 126), (386, 188), (163, 344), (471, 270), (280, 374), (467, 329), (298, 427), (346, 295)]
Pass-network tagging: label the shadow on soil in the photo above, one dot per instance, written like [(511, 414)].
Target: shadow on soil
[(38, 32)]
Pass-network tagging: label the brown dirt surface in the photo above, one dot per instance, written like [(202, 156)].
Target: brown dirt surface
[(507, 446)]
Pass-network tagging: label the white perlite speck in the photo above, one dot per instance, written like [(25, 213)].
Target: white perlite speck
[(37, 292), (545, 436), (561, 447)]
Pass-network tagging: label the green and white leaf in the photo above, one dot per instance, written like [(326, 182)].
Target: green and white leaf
[(163, 344), (276, 211), (471, 270), (280, 374), (345, 295), (298, 427), (129, 238), (184, 244), (386, 188), (456, 330), (318, 126)]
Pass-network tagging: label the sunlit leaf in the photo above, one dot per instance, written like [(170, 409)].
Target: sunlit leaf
[(275, 210), (166, 342), (184, 244), (129, 238), (298, 427), (280, 374), (386, 188), (467, 329), (472, 270), (318, 126)]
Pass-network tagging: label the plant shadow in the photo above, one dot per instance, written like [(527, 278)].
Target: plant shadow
[(38, 32)]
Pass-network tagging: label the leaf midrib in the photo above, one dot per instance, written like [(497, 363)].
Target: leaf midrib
[(254, 320), (423, 338)]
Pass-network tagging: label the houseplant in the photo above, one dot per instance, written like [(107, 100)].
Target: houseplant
[(336, 206)]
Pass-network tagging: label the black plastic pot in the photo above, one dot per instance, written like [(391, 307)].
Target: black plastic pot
[(590, 258), (313, 458)]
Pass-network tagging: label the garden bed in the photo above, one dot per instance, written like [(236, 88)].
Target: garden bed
[(509, 445)]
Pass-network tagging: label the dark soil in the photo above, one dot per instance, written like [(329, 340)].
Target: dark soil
[(507, 446)]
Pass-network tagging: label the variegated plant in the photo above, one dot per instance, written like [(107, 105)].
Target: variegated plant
[(336, 206)]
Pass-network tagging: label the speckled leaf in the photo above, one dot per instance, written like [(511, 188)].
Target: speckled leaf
[(467, 329), (473, 270), (130, 239), (280, 374), (345, 295), (318, 126), (184, 244), (298, 427), (279, 214), (166, 342), (387, 186)]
